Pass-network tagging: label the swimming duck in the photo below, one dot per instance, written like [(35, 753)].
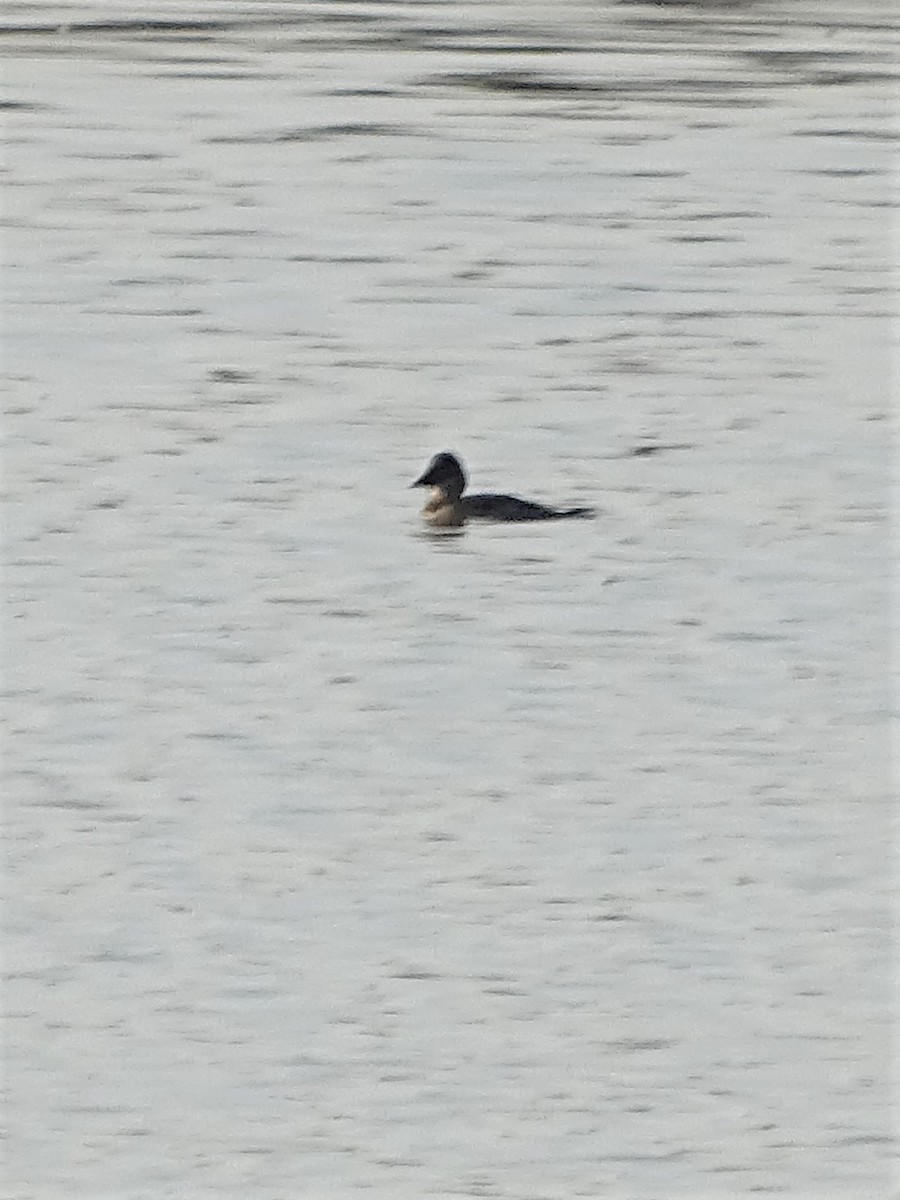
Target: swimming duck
[(447, 507)]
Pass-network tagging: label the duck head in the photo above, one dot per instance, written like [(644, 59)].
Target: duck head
[(444, 472)]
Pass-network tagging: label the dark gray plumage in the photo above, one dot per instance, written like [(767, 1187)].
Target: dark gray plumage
[(448, 506)]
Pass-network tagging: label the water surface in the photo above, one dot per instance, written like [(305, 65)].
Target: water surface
[(539, 862)]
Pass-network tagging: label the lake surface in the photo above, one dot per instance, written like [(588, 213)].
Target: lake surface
[(535, 863)]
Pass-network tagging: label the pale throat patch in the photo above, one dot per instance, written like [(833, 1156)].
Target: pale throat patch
[(440, 510)]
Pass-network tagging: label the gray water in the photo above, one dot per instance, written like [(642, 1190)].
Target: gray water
[(535, 863)]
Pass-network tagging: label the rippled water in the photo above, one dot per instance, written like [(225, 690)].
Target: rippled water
[(540, 862)]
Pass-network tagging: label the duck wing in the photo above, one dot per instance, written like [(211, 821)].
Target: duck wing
[(489, 506)]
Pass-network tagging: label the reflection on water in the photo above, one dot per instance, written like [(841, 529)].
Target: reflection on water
[(541, 860)]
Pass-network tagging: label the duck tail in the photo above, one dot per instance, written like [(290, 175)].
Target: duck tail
[(577, 512)]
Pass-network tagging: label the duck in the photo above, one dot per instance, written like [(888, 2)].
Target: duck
[(448, 508)]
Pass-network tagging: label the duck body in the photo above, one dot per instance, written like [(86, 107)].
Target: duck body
[(447, 507)]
